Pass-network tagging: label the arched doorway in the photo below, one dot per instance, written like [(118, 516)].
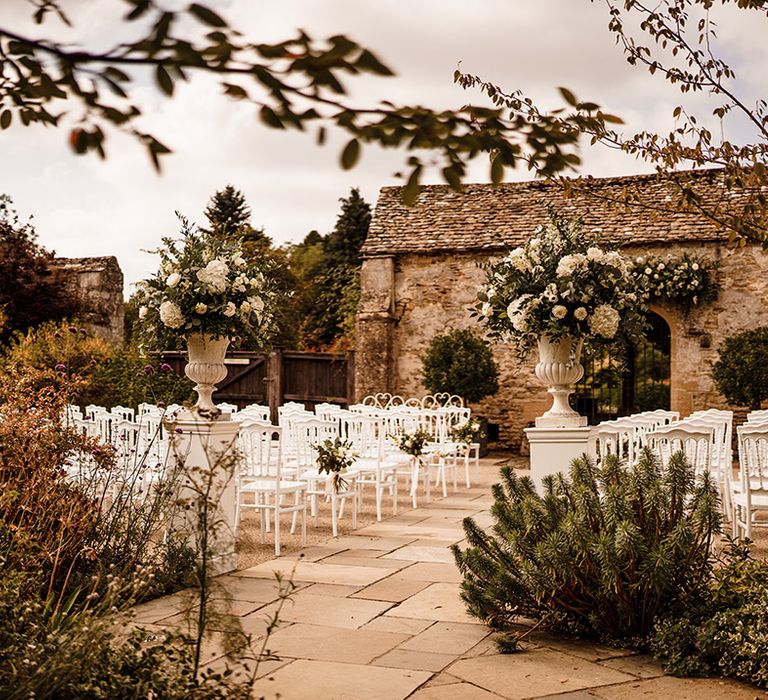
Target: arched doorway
[(608, 390)]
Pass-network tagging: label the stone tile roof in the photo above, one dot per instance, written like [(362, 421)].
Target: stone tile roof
[(484, 217)]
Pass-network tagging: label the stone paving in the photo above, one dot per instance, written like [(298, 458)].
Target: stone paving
[(376, 614)]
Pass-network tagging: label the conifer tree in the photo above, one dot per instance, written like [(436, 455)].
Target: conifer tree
[(347, 238), (229, 216)]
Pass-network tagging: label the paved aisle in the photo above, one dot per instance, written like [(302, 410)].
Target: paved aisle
[(377, 615)]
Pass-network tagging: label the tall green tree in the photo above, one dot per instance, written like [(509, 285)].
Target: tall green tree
[(345, 241), (229, 216), (29, 292), (332, 285)]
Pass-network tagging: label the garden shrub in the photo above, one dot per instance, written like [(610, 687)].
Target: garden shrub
[(460, 363), (724, 630), (111, 376), (71, 559), (69, 652), (741, 372), (604, 553)]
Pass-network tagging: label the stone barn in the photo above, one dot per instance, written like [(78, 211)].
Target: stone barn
[(420, 276)]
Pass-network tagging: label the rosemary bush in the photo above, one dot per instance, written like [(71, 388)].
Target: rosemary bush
[(604, 553)]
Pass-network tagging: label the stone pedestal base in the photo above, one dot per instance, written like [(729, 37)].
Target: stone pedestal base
[(552, 450), (206, 452)]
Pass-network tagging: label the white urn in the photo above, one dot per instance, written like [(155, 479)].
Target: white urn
[(559, 368), (206, 366)]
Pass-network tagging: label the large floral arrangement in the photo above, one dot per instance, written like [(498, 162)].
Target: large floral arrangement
[(685, 280), (562, 283), (205, 285)]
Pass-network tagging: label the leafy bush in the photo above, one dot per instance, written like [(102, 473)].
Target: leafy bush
[(460, 363), (110, 376), (724, 630), (44, 521), (63, 652), (29, 291), (740, 372), (604, 553)]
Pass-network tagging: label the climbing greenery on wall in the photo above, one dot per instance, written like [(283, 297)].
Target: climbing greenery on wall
[(683, 280)]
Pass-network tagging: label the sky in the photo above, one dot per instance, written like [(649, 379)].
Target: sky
[(83, 206)]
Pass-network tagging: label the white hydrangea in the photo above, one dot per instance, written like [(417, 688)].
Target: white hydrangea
[(604, 321), (173, 279), (595, 253), (170, 315), (517, 317), (569, 263), (518, 260), (229, 310), (559, 311), (214, 275), (580, 314)]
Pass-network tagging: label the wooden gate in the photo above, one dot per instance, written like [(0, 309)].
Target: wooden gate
[(305, 377)]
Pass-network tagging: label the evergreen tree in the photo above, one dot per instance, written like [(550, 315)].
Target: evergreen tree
[(229, 216), (344, 243), (334, 289)]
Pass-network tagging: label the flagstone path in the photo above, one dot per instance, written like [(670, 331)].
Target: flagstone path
[(376, 615)]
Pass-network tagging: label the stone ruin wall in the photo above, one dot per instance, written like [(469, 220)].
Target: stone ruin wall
[(408, 300), (97, 284)]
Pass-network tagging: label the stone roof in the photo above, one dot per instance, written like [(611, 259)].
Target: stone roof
[(487, 217)]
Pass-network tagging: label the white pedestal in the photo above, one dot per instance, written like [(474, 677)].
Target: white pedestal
[(552, 450), (206, 452)]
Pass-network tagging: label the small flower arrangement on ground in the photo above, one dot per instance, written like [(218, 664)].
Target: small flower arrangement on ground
[(335, 457), (205, 285), (412, 443), (561, 283), (685, 280), (466, 431)]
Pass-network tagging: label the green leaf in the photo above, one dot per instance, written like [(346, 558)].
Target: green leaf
[(5, 119), (350, 154), (497, 171), (140, 7), (236, 91), (270, 118), (368, 61), (206, 15), (568, 96), (412, 187), (164, 80)]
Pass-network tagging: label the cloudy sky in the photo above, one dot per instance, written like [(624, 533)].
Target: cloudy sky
[(83, 206)]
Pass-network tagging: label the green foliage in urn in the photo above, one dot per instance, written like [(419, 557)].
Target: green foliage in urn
[(460, 363), (740, 372), (205, 285), (604, 553), (725, 631), (685, 280), (561, 283)]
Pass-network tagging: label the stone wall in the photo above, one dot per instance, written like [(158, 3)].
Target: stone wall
[(430, 294), (97, 284)]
